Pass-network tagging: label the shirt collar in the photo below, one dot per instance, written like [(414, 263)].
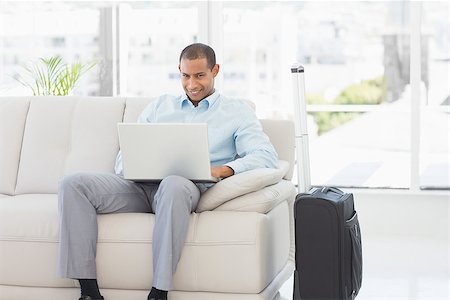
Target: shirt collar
[(207, 102)]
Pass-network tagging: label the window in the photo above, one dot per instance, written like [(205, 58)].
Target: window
[(260, 45), (356, 60), (363, 131), (154, 34), (29, 30)]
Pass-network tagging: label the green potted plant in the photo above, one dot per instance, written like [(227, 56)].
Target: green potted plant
[(51, 76)]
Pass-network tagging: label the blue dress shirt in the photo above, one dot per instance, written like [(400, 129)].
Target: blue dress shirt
[(235, 135)]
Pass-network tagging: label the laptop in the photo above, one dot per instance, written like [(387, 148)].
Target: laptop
[(153, 151)]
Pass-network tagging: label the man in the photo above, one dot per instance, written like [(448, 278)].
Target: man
[(237, 144)]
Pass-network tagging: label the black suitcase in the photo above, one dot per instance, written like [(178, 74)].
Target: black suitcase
[(328, 256)]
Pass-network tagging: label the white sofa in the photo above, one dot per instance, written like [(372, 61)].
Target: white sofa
[(241, 248)]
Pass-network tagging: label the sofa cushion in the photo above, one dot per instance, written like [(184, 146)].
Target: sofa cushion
[(29, 217), (240, 184), (13, 113), (28, 241), (134, 107), (239, 244), (64, 135), (281, 133)]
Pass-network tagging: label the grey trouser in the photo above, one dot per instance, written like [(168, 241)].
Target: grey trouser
[(82, 196)]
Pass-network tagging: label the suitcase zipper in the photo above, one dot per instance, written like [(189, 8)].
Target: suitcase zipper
[(343, 292), (340, 252), (341, 277)]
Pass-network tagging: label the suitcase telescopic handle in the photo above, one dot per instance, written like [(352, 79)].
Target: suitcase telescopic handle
[(301, 130)]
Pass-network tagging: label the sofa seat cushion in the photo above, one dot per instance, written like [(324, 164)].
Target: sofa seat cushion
[(29, 217), (248, 248), (29, 241)]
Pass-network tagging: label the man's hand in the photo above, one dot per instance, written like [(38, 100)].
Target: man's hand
[(221, 172)]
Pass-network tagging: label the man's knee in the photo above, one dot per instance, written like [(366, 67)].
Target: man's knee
[(73, 180), (174, 189), (75, 184), (174, 183)]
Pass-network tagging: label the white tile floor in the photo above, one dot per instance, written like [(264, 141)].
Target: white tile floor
[(401, 268)]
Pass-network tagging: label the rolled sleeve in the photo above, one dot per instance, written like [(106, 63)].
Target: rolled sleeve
[(237, 166), (252, 146)]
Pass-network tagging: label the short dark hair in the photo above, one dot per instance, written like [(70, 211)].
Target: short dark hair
[(199, 50)]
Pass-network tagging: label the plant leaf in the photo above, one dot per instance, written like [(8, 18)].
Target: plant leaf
[(51, 76)]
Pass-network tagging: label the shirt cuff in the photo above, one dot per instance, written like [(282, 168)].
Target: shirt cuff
[(237, 166)]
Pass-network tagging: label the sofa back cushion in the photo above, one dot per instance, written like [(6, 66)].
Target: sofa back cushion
[(133, 108), (13, 113), (281, 134), (64, 135)]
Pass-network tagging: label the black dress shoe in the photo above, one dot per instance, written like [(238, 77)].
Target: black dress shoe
[(89, 298), (153, 298), (160, 295)]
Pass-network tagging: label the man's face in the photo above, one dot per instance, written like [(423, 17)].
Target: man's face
[(197, 79)]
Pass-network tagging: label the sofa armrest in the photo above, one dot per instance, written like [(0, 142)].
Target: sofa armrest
[(262, 201), (241, 184)]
